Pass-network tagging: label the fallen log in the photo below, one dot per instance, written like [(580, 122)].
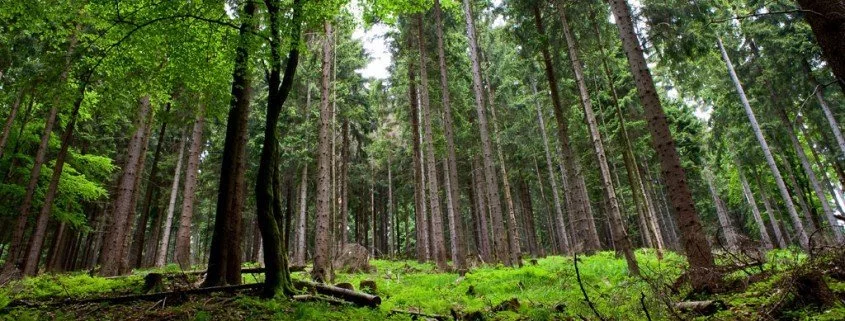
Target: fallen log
[(358, 298), (701, 307), (136, 297)]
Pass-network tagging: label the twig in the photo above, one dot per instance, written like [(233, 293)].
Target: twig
[(645, 309), (581, 285)]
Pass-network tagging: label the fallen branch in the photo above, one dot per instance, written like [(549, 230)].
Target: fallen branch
[(138, 297), (701, 307), (358, 298), (583, 291)]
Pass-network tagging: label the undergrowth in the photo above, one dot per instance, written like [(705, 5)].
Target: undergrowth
[(547, 290)]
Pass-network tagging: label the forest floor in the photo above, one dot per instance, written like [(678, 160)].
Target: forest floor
[(547, 290)]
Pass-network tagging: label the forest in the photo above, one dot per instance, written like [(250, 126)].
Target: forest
[(422, 160)]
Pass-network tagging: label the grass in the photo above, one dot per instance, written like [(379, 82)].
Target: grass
[(546, 291)]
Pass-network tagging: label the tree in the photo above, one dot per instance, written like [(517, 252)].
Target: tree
[(620, 235), (452, 195), (796, 220), (183, 236), (224, 261), (827, 18), (500, 244), (702, 273), (161, 254), (322, 271)]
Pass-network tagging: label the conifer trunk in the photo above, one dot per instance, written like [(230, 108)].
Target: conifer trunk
[(115, 238), (437, 240), (585, 237), (38, 234), (755, 211), (322, 271), (621, 239), (420, 208), (161, 255), (183, 236), (787, 199), (453, 194), (692, 235)]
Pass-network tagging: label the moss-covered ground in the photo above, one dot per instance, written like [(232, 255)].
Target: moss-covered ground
[(547, 290)]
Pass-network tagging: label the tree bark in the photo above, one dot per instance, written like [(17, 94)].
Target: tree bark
[(513, 230), (621, 239), (563, 238), (16, 248), (500, 245), (322, 271), (136, 253), (584, 238), (722, 214), (644, 207), (224, 260), (483, 209), (183, 235), (827, 20), (420, 208), (161, 256), (38, 234), (438, 242), (796, 220), (692, 235), (831, 120), (114, 243), (528, 218), (755, 211), (770, 210), (301, 222), (453, 194), (7, 127)]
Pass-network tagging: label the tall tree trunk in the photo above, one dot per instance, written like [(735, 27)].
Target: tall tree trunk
[(563, 238), (453, 196), (827, 19), (390, 209), (437, 240), (831, 120), (420, 208), (115, 238), (528, 217), (161, 254), (343, 220), (692, 235), (755, 211), (7, 127), (513, 230), (584, 238), (550, 229), (301, 222), (771, 211), (183, 235), (130, 220), (322, 270), (492, 186), (644, 207), (483, 209), (808, 169), (621, 239), (38, 234), (273, 221), (136, 253), (723, 216), (787, 199), (17, 246), (224, 260)]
